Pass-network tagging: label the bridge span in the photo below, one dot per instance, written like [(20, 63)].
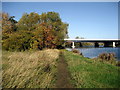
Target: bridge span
[(106, 42)]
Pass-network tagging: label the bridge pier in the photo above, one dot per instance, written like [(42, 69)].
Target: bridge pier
[(114, 44), (96, 44), (73, 45), (80, 44), (117, 44)]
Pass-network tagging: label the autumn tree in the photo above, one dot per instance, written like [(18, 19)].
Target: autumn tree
[(8, 25), (53, 30), (34, 31), (8, 29)]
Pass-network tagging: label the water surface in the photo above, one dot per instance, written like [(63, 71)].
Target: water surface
[(94, 52)]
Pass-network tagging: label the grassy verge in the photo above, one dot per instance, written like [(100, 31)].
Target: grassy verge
[(87, 73), (36, 69)]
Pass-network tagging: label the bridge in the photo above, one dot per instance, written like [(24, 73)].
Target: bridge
[(106, 42)]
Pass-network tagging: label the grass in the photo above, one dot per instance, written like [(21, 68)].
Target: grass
[(87, 73), (38, 69), (30, 69)]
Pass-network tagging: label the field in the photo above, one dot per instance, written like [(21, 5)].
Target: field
[(53, 68)]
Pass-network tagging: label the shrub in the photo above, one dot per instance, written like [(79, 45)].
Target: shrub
[(118, 63), (107, 56), (76, 51)]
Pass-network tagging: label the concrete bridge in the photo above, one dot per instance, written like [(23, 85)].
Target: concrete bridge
[(107, 42)]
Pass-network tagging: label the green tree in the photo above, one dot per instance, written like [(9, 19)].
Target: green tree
[(77, 37), (35, 31), (28, 21)]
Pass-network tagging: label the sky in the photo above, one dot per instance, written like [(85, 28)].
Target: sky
[(91, 20)]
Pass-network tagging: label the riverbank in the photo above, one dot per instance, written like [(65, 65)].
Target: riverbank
[(42, 69), (88, 73)]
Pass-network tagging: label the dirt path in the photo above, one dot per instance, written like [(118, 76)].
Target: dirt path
[(63, 75)]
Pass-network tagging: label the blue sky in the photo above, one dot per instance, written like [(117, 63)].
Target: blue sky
[(92, 20)]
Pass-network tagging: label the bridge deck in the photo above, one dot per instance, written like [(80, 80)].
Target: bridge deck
[(93, 40)]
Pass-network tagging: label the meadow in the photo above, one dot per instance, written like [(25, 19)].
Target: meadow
[(41, 69)]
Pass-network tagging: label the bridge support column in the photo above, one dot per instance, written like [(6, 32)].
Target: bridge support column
[(114, 44), (80, 44), (117, 44), (73, 45), (96, 44)]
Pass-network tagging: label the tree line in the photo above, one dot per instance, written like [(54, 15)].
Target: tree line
[(33, 31)]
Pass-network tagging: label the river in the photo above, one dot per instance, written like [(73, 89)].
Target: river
[(94, 52)]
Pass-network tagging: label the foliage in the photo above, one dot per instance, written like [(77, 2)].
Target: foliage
[(33, 31), (118, 63), (8, 25), (77, 37), (76, 51), (107, 56)]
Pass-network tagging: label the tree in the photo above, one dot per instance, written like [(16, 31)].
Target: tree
[(55, 30), (35, 31), (77, 37), (8, 28), (6, 24), (28, 21)]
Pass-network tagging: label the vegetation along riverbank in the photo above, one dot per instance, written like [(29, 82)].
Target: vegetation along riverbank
[(88, 73), (42, 69), (32, 56)]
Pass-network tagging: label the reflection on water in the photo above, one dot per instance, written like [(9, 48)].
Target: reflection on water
[(94, 52)]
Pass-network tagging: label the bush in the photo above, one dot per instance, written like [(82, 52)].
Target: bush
[(107, 56), (118, 63), (76, 51)]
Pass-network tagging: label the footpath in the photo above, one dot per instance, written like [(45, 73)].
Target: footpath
[(63, 75)]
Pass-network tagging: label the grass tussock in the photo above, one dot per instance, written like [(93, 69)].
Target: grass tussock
[(88, 73), (76, 51), (118, 63), (107, 58), (35, 69)]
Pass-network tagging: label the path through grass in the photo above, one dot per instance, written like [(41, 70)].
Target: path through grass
[(63, 75)]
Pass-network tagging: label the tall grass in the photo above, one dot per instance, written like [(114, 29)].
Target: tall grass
[(108, 58), (35, 69), (88, 73)]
